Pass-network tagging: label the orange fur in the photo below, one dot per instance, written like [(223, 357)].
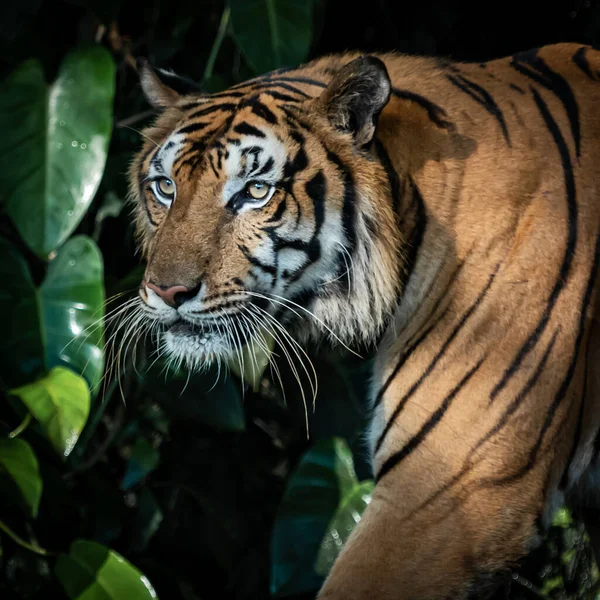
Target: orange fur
[(484, 284)]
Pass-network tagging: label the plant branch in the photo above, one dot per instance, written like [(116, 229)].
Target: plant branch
[(22, 427), (214, 51), (21, 542)]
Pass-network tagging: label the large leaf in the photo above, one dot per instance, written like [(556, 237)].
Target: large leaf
[(61, 403), (323, 497), (93, 572), (21, 350), (55, 139), (144, 459), (210, 398), (72, 303), (56, 324), (18, 460), (272, 33), (342, 524)]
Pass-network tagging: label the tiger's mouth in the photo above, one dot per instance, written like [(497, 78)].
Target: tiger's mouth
[(181, 327), (201, 342)]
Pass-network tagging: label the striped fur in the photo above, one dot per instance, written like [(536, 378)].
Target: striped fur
[(459, 229)]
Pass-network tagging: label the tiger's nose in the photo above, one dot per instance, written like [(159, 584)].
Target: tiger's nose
[(174, 295)]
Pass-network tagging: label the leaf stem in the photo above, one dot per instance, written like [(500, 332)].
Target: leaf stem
[(18, 540), (22, 427), (214, 51)]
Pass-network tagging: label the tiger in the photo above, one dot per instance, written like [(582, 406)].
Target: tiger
[(444, 213)]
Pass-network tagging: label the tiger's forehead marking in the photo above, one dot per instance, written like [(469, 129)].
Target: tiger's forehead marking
[(236, 140), (161, 163)]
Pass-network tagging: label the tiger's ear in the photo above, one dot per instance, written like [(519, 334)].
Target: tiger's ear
[(163, 88), (356, 96)]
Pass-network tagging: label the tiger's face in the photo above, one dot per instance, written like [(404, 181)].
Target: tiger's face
[(252, 208)]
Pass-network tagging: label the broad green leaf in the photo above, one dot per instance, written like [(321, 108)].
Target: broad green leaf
[(147, 520), (144, 458), (320, 497), (342, 524), (57, 324), (72, 304), (18, 460), (21, 350), (272, 33), (211, 398), (55, 139), (254, 358), (93, 572), (60, 402)]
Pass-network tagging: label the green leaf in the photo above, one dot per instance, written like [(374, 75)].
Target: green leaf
[(272, 33), (253, 359), (93, 572), (55, 139), (342, 524), (72, 304), (147, 520), (323, 497), (18, 460), (144, 459), (211, 398), (54, 325), (21, 351), (61, 403)]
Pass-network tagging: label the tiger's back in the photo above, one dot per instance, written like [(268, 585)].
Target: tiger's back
[(467, 197)]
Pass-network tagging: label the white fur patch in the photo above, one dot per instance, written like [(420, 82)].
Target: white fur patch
[(271, 148)]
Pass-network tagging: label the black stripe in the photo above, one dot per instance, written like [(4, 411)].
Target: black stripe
[(465, 317), (192, 127), (212, 164), (269, 269), (580, 59), (247, 129), (279, 212), (435, 113), (299, 163), (517, 88), (564, 480), (519, 398), (267, 87), (265, 168), (406, 355), (259, 109), (566, 382), (207, 110), (191, 155), (148, 213), (412, 346), (534, 67), (416, 236), (281, 96), (427, 427), (482, 97), (392, 174), (468, 464), (316, 190), (306, 80), (565, 267), (348, 213)]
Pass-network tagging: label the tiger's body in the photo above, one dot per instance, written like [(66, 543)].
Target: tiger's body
[(452, 214)]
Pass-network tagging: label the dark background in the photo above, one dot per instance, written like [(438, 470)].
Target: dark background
[(219, 490)]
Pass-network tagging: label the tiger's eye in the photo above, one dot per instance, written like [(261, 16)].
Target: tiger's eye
[(166, 187), (258, 191)]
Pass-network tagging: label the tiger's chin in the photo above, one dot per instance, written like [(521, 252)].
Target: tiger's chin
[(195, 346)]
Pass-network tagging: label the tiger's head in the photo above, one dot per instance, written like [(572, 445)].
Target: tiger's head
[(266, 205)]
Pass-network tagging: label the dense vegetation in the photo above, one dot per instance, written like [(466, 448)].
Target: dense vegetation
[(207, 491)]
